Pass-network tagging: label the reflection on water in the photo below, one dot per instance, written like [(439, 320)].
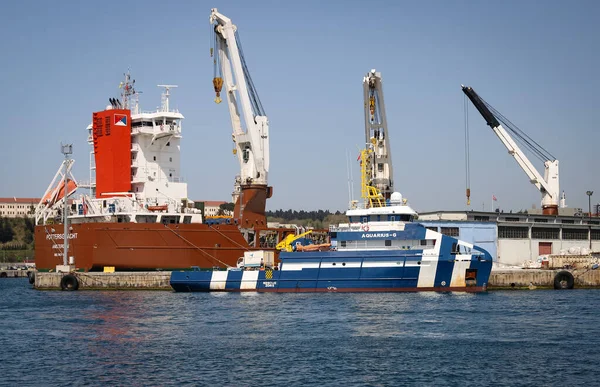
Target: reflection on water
[(165, 338)]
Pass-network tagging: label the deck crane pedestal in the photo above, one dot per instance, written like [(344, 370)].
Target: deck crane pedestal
[(249, 121), (547, 185), (379, 168)]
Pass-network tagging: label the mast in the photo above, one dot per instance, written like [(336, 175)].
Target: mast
[(165, 96), (66, 150)]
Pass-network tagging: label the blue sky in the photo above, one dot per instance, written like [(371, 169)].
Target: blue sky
[(537, 62)]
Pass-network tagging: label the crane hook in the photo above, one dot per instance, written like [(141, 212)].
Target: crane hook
[(218, 85)]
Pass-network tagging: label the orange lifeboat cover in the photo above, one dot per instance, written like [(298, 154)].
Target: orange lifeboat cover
[(59, 192)]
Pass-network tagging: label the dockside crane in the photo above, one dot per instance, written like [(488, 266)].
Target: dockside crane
[(547, 185), (379, 163), (249, 121)]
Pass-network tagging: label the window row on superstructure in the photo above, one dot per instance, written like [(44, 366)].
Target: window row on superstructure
[(381, 218), (387, 244)]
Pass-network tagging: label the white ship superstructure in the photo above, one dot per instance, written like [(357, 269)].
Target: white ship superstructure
[(158, 192)]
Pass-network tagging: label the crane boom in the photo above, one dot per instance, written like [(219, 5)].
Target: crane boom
[(547, 185), (249, 122), (376, 135)]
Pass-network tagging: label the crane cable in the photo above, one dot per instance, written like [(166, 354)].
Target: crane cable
[(467, 156), (215, 53), (522, 137)]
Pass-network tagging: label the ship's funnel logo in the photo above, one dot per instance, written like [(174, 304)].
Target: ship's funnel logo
[(120, 120)]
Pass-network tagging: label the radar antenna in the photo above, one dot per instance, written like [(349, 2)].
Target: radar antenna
[(165, 97)]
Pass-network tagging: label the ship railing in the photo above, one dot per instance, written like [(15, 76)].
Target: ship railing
[(86, 183), (143, 130), (175, 130), (383, 225), (362, 206), (159, 110), (345, 227)]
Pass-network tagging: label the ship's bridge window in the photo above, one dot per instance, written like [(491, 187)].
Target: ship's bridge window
[(169, 219), (138, 124), (460, 249), (406, 218), (454, 248), (146, 218)]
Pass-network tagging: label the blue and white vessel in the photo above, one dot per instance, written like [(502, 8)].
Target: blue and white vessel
[(380, 249)]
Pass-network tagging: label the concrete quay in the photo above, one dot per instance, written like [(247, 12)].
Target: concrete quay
[(542, 278), (159, 280), (153, 280), (14, 273)]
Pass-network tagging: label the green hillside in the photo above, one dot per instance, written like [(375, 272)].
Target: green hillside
[(16, 239)]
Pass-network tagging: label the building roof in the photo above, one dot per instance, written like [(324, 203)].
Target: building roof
[(506, 217), (211, 203), (20, 200)]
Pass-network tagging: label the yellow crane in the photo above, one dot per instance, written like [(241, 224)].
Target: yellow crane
[(286, 243)]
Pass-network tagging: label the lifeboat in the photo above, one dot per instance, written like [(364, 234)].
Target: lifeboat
[(59, 192), (320, 247), (164, 207)]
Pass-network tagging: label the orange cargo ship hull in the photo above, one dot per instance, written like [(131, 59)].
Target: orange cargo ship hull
[(141, 246)]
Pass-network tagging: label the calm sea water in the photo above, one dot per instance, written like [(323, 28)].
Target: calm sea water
[(151, 338)]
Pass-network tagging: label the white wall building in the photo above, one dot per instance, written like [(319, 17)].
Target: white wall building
[(18, 207), (211, 208), (519, 237)]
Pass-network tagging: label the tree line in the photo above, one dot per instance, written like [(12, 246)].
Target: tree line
[(318, 219), (16, 232), (301, 215)]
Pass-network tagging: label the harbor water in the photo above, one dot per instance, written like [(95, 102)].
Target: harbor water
[(159, 338)]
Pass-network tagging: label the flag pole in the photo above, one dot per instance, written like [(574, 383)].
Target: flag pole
[(492, 202)]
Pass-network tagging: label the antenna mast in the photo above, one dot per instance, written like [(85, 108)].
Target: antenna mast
[(66, 150), (128, 90), (165, 97)]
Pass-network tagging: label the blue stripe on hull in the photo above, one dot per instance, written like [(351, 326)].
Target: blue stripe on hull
[(443, 274), (234, 280)]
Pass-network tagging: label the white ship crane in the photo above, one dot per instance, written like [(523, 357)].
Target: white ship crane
[(548, 185), (376, 135), (249, 121)]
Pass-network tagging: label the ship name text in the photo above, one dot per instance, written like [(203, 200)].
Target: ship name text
[(379, 235), (72, 235)]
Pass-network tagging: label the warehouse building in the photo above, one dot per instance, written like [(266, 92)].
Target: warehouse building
[(514, 238)]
